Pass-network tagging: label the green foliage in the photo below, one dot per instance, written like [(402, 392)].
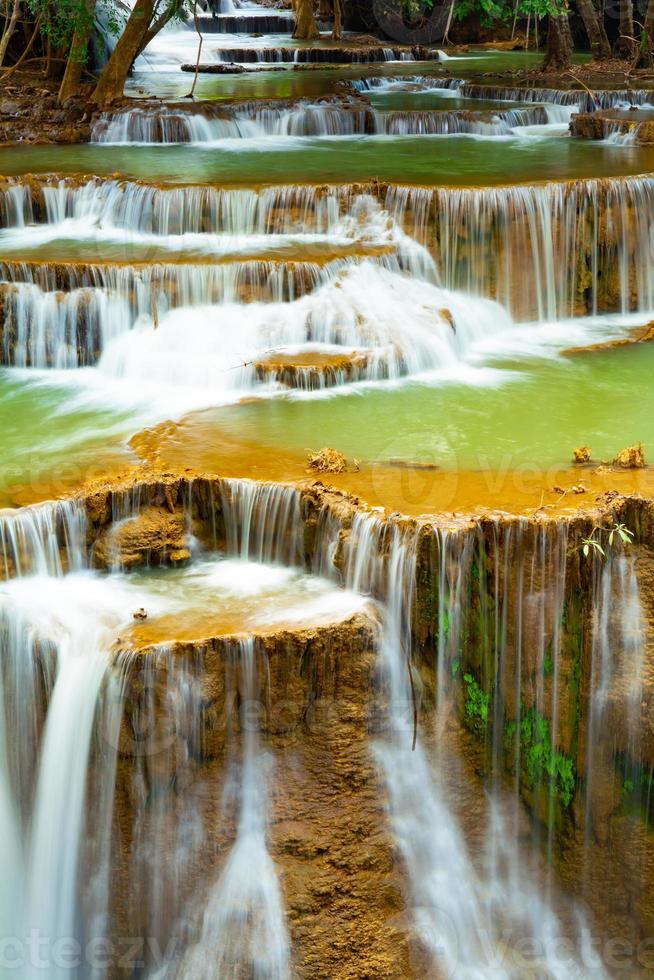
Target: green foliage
[(593, 543), (413, 10), (488, 11), (477, 703), (623, 533), (548, 663), (540, 762), (491, 11), (59, 21)]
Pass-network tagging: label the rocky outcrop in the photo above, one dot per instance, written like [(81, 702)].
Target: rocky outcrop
[(152, 536), (328, 834), (313, 371), (625, 126), (509, 616)]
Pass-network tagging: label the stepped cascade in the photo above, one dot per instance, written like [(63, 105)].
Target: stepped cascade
[(321, 654)]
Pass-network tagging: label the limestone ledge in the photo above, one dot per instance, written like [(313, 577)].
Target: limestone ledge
[(502, 558)]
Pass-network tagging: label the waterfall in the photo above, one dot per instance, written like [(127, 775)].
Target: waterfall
[(179, 126), (585, 245), (43, 540), (243, 923), (584, 101), (56, 635), (580, 101), (427, 122), (408, 82), (357, 316), (168, 833), (558, 234), (347, 119), (310, 55), (262, 521), (15, 205), (60, 330), (464, 906), (234, 21), (616, 678)]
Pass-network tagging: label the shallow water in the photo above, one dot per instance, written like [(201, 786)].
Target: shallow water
[(515, 413), (291, 82), (431, 160), (51, 439)]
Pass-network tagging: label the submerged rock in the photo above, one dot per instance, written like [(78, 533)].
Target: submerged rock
[(581, 454), (328, 461), (631, 458)]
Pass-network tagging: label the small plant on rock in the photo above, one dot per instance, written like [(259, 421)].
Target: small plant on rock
[(592, 542)]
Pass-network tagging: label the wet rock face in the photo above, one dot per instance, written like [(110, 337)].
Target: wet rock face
[(635, 126), (548, 659), (327, 826), (152, 537)]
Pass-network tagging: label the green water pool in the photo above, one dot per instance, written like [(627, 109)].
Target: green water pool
[(431, 160), (534, 415), (290, 81), (51, 441)]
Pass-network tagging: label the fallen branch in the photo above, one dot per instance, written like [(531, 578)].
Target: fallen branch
[(579, 82)]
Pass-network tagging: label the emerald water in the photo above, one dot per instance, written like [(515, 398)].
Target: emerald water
[(516, 413), (53, 439), (429, 160)]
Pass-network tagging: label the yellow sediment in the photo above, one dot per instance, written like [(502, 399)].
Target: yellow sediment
[(197, 446), (119, 254)]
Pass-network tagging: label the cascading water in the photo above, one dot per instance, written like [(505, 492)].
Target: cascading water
[(464, 908), (617, 663), (570, 235), (243, 922), (138, 791), (304, 120)]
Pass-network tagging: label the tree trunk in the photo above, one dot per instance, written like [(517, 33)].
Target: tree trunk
[(337, 31), (173, 7), (306, 28), (599, 42), (647, 38), (625, 45), (112, 80), (77, 54), (9, 30), (558, 54)]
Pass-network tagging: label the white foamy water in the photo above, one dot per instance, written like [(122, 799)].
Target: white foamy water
[(63, 628), (211, 351)]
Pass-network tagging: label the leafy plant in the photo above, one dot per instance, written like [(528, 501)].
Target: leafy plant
[(623, 532), (541, 763), (592, 543), (477, 703)]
